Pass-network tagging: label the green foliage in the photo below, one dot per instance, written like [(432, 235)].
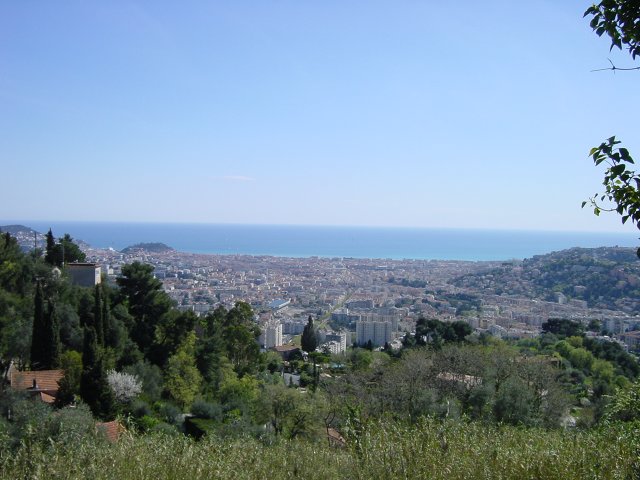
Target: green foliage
[(563, 327), (435, 332), (621, 183), (625, 405), (229, 336), (94, 388), (38, 339), (98, 310), (34, 424), (619, 19), (51, 351), (595, 271), (291, 413), (488, 383), (16, 269), (309, 341), (623, 363), (151, 377), (63, 252), (382, 450), (146, 302), (45, 337), (408, 283), (208, 410), (171, 331), (71, 363), (182, 378)]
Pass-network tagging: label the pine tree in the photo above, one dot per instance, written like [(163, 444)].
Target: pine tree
[(38, 337), (94, 388), (309, 342)]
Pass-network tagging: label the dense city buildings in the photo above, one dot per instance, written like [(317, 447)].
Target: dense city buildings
[(354, 301), (365, 299)]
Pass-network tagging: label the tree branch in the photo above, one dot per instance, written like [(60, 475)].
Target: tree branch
[(614, 68)]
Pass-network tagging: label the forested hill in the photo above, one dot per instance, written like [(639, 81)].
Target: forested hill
[(148, 247), (606, 277), (15, 229)]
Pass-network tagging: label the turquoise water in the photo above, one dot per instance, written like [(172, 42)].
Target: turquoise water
[(360, 242)]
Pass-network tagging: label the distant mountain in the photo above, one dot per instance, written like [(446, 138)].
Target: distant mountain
[(25, 237), (154, 247), (606, 277), (16, 229)]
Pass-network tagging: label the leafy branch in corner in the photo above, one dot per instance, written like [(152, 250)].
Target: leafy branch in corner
[(621, 184), (620, 20)]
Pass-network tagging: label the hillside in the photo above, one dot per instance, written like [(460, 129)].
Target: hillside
[(16, 229), (153, 247), (606, 277)]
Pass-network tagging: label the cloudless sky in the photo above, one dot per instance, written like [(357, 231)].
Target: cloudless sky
[(335, 112)]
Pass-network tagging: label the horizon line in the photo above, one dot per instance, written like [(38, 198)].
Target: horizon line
[(308, 225)]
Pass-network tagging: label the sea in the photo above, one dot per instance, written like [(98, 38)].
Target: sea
[(333, 241)]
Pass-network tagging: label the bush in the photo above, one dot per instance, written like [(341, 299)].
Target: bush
[(140, 408), (204, 409)]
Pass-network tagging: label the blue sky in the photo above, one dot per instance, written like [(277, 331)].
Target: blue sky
[(333, 112)]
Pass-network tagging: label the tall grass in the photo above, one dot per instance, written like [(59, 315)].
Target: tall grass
[(430, 449)]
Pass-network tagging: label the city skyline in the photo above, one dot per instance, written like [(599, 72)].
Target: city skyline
[(342, 113)]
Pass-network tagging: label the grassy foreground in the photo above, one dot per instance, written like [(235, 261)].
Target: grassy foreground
[(386, 450)]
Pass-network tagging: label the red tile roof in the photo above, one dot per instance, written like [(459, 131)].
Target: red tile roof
[(46, 380), (111, 430), (46, 398)]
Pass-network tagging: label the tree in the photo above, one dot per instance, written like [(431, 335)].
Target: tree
[(50, 252), (98, 311), (182, 378), (309, 342), (71, 363), (70, 251), (51, 351), (125, 386), (171, 331), (563, 327), (94, 388), (45, 338), (626, 404), (145, 300), (65, 251), (239, 335), (620, 20), (38, 338)]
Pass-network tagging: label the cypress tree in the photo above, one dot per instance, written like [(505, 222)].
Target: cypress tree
[(38, 337), (89, 348), (110, 333), (309, 342), (98, 315), (51, 252), (94, 389), (51, 346)]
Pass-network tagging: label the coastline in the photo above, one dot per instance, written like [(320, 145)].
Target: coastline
[(329, 242)]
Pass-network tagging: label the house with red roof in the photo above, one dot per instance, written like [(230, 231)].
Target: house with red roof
[(42, 384)]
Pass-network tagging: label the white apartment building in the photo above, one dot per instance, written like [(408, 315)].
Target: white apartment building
[(378, 332), (271, 334)]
